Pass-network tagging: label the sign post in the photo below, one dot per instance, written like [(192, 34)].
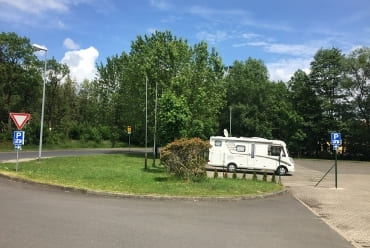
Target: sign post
[(336, 141), (20, 119), (129, 137), (18, 141)]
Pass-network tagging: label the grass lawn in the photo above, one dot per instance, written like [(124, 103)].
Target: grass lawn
[(124, 173)]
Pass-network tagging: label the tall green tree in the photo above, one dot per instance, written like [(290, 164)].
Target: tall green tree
[(326, 76), (55, 99), (357, 91), (307, 104), (20, 81), (247, 84), (169, 67), (174, 117), (260, 107)]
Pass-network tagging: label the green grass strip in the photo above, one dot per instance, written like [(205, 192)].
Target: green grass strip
[(124, 173)]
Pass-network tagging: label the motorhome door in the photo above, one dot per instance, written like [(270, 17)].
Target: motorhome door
[(251, 158)]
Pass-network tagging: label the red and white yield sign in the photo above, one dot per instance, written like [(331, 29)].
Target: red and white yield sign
[(20, 119)]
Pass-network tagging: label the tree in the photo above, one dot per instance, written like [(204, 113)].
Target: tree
[(357, 89), (326, 77), (189, 76), (68, 112), (247, 84), (173, 119), (107, 90), (55, 99), (20, 82), (307, 105)]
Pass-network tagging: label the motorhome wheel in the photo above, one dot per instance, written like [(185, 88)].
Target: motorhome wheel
[(281, 170), (231, 167)]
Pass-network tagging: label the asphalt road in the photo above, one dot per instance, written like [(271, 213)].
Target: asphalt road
[(40, 216)]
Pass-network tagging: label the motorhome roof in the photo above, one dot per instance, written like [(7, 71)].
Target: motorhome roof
[(252, 139)]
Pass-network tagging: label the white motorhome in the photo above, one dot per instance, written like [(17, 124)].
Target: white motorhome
[(250, 153)]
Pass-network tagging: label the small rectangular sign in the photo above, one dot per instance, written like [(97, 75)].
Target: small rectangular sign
[(18, 137), (336, 138)]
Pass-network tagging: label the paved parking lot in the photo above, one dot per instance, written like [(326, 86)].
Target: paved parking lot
[(346, 208)]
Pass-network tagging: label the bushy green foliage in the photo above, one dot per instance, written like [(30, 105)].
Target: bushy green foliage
[(234, 175), (264, 178), (54, 137), (194, 96), (215, 174), (273, 179), (254, 177), (186, 159), (244, 176), (173, 118)]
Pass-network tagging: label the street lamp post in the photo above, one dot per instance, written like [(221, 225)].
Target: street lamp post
[(230, 120), (146, 122), (155, 123), (42, 48)]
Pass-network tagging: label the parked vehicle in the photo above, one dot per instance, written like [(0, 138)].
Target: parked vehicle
[(254, 153)]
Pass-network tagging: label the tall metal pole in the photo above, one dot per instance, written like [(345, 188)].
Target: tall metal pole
[(42, 107), (42, 48), (230, 120), (146, 122), (155, 123), (336, 170)]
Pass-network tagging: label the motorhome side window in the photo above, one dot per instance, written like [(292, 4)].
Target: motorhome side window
[(240, 148), (274, 150), (218, 143)]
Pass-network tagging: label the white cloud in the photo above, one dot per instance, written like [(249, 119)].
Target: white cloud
[(70, 44), (151, 30), (81, 63), (36, 13), (161, 4), (37, 6), (284, 69), (249, 36), (292, 49), (212, 38)]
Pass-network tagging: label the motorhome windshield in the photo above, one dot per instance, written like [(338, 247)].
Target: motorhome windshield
[(276, 150)]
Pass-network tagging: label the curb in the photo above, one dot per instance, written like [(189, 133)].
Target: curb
[(149, 197)]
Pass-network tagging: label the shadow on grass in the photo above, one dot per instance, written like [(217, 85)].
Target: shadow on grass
[(154, 169), (161, 179)]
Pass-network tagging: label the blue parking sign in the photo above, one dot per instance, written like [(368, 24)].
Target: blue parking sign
[(18, 138), (336, 139)]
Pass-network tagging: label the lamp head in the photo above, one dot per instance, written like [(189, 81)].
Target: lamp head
[(39, 47)]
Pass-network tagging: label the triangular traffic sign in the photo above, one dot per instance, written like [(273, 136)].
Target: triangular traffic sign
[(20, 119)]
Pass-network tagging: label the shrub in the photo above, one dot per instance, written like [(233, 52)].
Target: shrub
[(273, 179), (186, 158), (215, 174), (244, 175), (54, 137), (234, 175), (264, 176), (254, 178)]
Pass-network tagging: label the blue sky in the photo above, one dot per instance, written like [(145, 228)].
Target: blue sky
[(284, 34)]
